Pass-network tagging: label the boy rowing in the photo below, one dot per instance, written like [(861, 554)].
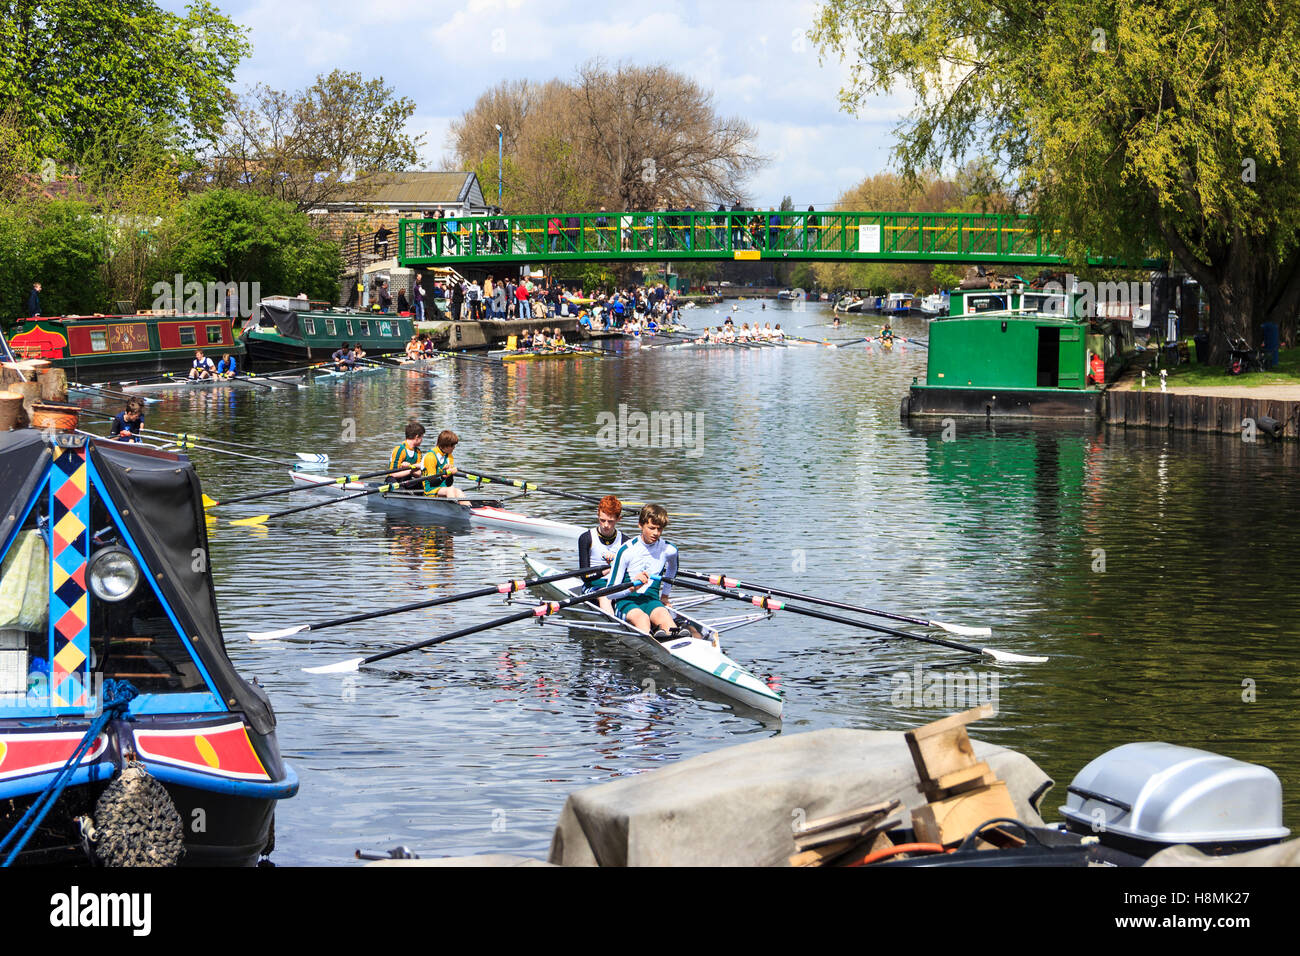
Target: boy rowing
[(439, 468), (129, 422), (203, 367), (404, 462), (649, 564), (600, 544)]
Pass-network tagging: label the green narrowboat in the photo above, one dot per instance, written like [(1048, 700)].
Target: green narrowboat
[(112, 347), (1013, 353), (285, 332)]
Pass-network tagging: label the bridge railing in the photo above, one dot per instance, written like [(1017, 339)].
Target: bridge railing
[(741, 235)]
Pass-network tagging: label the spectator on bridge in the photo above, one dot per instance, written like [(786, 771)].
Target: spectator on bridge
[(553, 233), (737, 227), (452, 230), (572, 228), (601, 239)]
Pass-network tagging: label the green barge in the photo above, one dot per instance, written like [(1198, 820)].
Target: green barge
[(1015, 353), (286, 332)]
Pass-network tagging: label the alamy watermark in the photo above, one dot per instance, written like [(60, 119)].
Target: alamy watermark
[(1097, 298), (940, 687), (636, 429), (211, 298)]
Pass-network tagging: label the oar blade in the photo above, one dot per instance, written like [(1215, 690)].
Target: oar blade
[(313, 458), (277, 635), (963, 630), (250, 522), (339, 667), (209, 502), (1006, 657)]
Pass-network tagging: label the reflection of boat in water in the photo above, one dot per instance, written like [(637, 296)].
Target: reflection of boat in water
[(700, 660), (119, 702)]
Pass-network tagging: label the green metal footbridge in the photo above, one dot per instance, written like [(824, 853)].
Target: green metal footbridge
[(787, 236)]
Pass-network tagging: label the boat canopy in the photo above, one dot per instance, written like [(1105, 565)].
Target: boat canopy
[(156, 500)]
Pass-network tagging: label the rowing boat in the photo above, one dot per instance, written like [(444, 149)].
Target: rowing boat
[(192, 384), (531, 355), (699, 660), (482, 512), (351, 372)]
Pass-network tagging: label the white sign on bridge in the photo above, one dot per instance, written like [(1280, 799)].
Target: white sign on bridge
[(869, 238)]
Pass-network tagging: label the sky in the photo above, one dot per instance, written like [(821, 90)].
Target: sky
[(754, 57)]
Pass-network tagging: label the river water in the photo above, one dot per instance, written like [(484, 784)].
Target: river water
[(1156, 572)]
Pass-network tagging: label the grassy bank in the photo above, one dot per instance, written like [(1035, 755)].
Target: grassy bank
[(1193, 376)]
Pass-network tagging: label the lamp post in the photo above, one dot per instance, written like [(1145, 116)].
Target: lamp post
[(500, 142)]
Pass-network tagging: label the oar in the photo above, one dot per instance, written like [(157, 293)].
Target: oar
[(768, 603), (345, 480), (529, 486), (541, 610), (110, 392), (726, 582), (185, 439), (506, 587), (392, 486), (841, 345)]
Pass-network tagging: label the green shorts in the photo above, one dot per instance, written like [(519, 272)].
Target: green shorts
[(637, 602)]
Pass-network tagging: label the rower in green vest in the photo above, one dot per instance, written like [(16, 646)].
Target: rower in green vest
[(405, 462)]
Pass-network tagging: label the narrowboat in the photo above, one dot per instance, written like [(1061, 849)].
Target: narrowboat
[(287, 331), (102, 348), (1015, 353), (126, 735)]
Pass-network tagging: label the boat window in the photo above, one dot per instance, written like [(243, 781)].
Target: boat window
[(350, 330), (187, 335), (329, 327), (385, 328), (215, 336), (99, 340), (309, 326), (365, 327)]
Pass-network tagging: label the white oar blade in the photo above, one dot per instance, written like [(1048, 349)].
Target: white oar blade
[(963, 630), (317, 459), (342, 667), (1006, 657), (277, 635)]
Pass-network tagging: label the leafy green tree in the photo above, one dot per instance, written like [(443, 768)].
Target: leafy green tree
[(228, 235), (73, 68), (1132, 127), (57, 243)]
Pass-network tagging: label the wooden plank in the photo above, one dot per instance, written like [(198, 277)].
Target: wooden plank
[(951, 784), (844, 851), (950, 821), (850, 816), (943, 747), (853, 831)]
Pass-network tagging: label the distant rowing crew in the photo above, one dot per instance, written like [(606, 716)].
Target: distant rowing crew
[(727, 333)]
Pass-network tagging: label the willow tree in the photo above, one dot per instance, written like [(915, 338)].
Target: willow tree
[(1169, 127)]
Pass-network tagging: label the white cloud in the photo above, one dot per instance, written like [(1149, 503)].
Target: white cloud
[(752, 56)]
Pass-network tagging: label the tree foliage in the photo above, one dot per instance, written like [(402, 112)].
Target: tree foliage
[(72, 69), (1133, 127), (228, 235), (627, 137), (310, 147)]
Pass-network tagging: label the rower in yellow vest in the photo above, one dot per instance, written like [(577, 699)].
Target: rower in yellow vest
[(439, 467), (404, 462)]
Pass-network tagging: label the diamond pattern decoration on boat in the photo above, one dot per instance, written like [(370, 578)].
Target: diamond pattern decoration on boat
[(69, 628)]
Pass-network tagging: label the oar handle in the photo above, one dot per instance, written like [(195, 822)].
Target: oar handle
[(539, 611), (391, 486), (726, 582)]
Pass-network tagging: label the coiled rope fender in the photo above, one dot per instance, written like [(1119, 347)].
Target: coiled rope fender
[(117, 695), (136, 823)]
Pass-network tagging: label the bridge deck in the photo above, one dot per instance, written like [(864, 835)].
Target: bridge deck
[(812, 236)]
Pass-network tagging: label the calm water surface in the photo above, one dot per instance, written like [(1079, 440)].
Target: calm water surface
[(1156, 571)]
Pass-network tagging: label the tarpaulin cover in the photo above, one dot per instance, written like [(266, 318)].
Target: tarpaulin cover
[(736, 807), (286, 320), (24, 457), (1284, 854), (160, 503)]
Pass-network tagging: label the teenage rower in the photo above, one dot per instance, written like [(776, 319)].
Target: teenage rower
[(129, 422), (342, 359), (202, 367), (404, 462), (600, 544), (649, 564), (439, 468)]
